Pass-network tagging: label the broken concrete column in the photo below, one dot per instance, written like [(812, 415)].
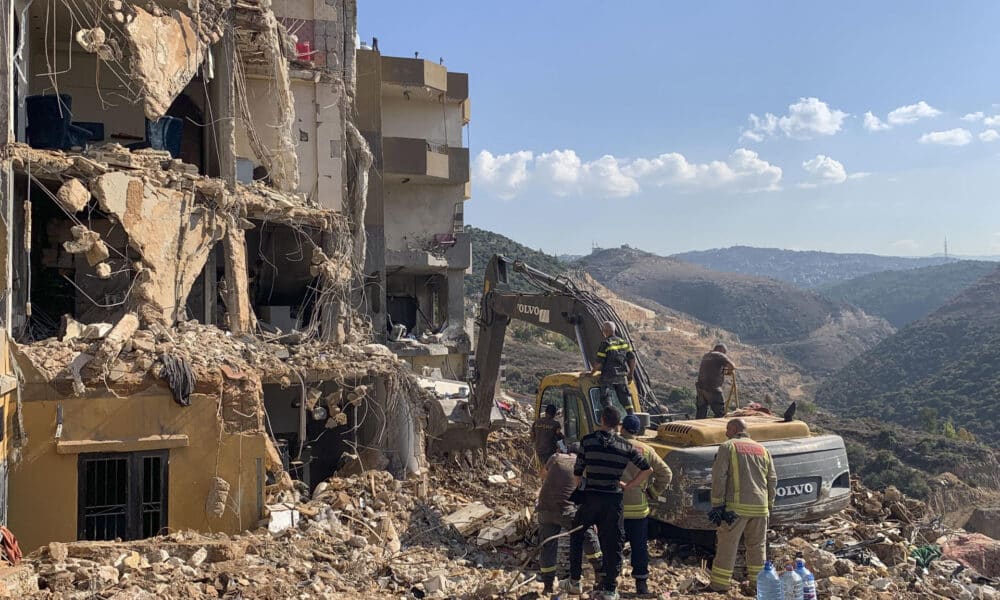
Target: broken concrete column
[(73, 196), (241, 317), (115, 341)]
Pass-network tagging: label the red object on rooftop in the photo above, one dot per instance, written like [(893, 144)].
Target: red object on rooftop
[(303, 50)]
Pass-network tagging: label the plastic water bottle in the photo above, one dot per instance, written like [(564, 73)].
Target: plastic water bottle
[(805, 574), (791, 584), (768, 584), (809, 588)]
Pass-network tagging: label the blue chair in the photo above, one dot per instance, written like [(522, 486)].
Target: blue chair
[(164, 133), (50, 123)]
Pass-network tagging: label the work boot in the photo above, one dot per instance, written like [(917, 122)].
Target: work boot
[(571, 586), (605, 595), (598, 567), (641, 588), (547, 585)]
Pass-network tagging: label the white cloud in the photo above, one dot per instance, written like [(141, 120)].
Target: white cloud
[(873, 123), (974, 116), (744, 170), (807, 118), (825, 170), (951, 137), (990, 135), (992, 121), (906, 245), (911, 113), (859, 175), (904, 115), (564, 173), (504, 173)]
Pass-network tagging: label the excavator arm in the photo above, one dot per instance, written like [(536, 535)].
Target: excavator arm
[(558, 305)]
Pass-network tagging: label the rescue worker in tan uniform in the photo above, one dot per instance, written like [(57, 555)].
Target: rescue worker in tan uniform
[(636, 503), (743, 488)]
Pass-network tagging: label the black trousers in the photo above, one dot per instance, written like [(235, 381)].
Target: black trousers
[(619, 389), (603, 509), (707, 398)]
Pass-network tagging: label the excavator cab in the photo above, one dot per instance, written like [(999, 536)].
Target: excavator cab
[(579, 399)]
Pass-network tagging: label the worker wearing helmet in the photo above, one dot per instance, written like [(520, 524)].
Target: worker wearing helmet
[(616, 365), (636, 504)]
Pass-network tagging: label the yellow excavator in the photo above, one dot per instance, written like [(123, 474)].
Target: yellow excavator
[(813, 472)]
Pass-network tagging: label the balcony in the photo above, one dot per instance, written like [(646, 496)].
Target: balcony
[(458, 165), (414, 74), (458, 87), (445, 251), (415, 160)]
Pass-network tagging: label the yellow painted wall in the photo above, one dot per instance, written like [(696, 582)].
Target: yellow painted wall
[(43, 485)]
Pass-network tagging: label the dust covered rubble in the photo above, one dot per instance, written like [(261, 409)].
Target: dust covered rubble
[(369, 535)]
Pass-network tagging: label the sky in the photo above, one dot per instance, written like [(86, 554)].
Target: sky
[(674, 126)]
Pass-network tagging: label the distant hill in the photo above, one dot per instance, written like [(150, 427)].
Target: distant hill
[(486, 243), (805, 269), (902, 297), (939, 373), (816, 333)]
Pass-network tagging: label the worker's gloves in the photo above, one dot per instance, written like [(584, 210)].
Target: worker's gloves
[(718, 514)]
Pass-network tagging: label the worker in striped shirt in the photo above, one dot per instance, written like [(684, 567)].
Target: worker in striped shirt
[(599, 471)]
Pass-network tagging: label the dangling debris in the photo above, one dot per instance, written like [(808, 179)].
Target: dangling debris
[(179, 376)]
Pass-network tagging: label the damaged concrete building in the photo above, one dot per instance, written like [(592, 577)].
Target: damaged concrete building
[(413, 113), (184, 195)]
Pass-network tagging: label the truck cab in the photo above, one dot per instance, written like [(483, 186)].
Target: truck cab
[(813, 472)]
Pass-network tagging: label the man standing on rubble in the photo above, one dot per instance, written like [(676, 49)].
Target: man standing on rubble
[(743, 488), (599, 475), (546, 432), (636, 504), (556, 512), (616, 364), (712, 372)]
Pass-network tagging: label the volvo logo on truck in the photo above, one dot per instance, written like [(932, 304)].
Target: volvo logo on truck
[(788, 491), (542, 314)]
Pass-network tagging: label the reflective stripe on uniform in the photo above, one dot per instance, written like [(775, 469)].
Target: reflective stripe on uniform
[(547, 569), (721, 576), (734, 469), (593, 556), (754, 570), (748, 510)]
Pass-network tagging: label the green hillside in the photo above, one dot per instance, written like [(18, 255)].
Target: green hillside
[(940, 373), (486, 243), (902, 297), (814, 332)]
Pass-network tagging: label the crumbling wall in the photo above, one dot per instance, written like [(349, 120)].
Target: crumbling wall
[(172, 235)]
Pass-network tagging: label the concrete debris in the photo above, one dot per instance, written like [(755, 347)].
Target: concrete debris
[(73, 196), (166, 52), (115, 340), (103, 271), (217, 496), (370, 535)]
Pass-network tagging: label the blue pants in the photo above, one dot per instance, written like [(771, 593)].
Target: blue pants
[(637, 534)]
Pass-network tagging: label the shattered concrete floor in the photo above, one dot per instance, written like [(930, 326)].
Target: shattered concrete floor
[(370, 536)]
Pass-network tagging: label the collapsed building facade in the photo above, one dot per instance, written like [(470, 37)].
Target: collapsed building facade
[(184, 197)]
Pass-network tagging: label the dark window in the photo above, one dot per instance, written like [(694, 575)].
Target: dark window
[(122, 495)]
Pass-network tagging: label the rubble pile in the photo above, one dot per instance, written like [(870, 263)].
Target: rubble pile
[(464, 530)]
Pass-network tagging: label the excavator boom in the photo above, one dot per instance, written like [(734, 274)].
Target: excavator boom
[(556, 305)]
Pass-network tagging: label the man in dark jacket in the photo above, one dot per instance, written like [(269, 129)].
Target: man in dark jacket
[(600, 467), (545, 434), (616, 364), (712, 372), (556, 512)]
